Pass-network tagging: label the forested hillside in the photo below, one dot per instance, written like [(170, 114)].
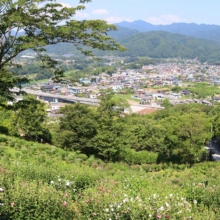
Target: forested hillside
[(166, 45), (155, 44)]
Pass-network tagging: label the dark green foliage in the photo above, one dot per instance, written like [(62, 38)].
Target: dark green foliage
[(131, 156), (166, 103), (176, 134), (34, 68), (176, 89), (77, 128), (28, 120)]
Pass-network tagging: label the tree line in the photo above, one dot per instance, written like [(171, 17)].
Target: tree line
[(177, 134)]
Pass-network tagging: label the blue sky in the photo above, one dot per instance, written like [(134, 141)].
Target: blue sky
[(152, 11)]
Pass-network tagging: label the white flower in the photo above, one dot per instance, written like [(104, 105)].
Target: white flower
[(106, 210), (171, 195), (1, 190), (51, 182), (59, 179), (161, 208), (150, 215), (67, 183), (125, 195), (125, 200), (195, 201), (167, 204), (155, 196), (112, 209)]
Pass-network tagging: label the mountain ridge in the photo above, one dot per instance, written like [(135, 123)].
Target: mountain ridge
[(204, 31)]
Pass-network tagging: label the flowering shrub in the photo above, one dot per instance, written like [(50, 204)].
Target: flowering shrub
[(59, 189)]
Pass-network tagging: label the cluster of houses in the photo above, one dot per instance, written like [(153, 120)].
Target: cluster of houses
[(139, 82)]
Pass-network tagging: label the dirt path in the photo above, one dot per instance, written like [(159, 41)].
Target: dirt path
[(130, 102)]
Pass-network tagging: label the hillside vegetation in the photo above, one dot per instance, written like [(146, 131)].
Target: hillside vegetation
[(43, 182), (154, 44), (108, 166), (166, 45), (177, 134)]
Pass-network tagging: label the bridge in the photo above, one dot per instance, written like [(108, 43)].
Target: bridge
[(58, 98)]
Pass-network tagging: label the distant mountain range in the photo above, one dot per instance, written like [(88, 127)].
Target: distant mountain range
[(161, 44), (154, 44), (204, 31), (159, 41)]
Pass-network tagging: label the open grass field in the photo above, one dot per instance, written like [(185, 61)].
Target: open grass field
[(127, 97)]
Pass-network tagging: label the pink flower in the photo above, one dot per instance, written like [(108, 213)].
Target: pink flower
[(66, 194), (64, 204), (12, 204), (159, 216), (167, 216)]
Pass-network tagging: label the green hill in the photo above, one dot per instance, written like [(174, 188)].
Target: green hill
[(166, 45), (155, 44), (43, 182)]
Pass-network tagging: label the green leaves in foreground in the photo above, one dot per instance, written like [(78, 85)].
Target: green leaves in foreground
[(35, 24)]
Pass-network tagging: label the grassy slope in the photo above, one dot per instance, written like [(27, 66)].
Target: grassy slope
[(44, 182)]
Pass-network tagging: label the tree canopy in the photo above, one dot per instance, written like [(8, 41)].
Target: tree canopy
[(34, 24)]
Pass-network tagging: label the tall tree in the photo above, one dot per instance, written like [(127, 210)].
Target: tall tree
[(34, 24), (110, 138), (185, 136), (29, 120), (77, 128)]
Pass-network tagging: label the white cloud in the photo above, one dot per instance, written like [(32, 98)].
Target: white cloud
[(112, 20), (100, 12), (81, 15), (164, 19)]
